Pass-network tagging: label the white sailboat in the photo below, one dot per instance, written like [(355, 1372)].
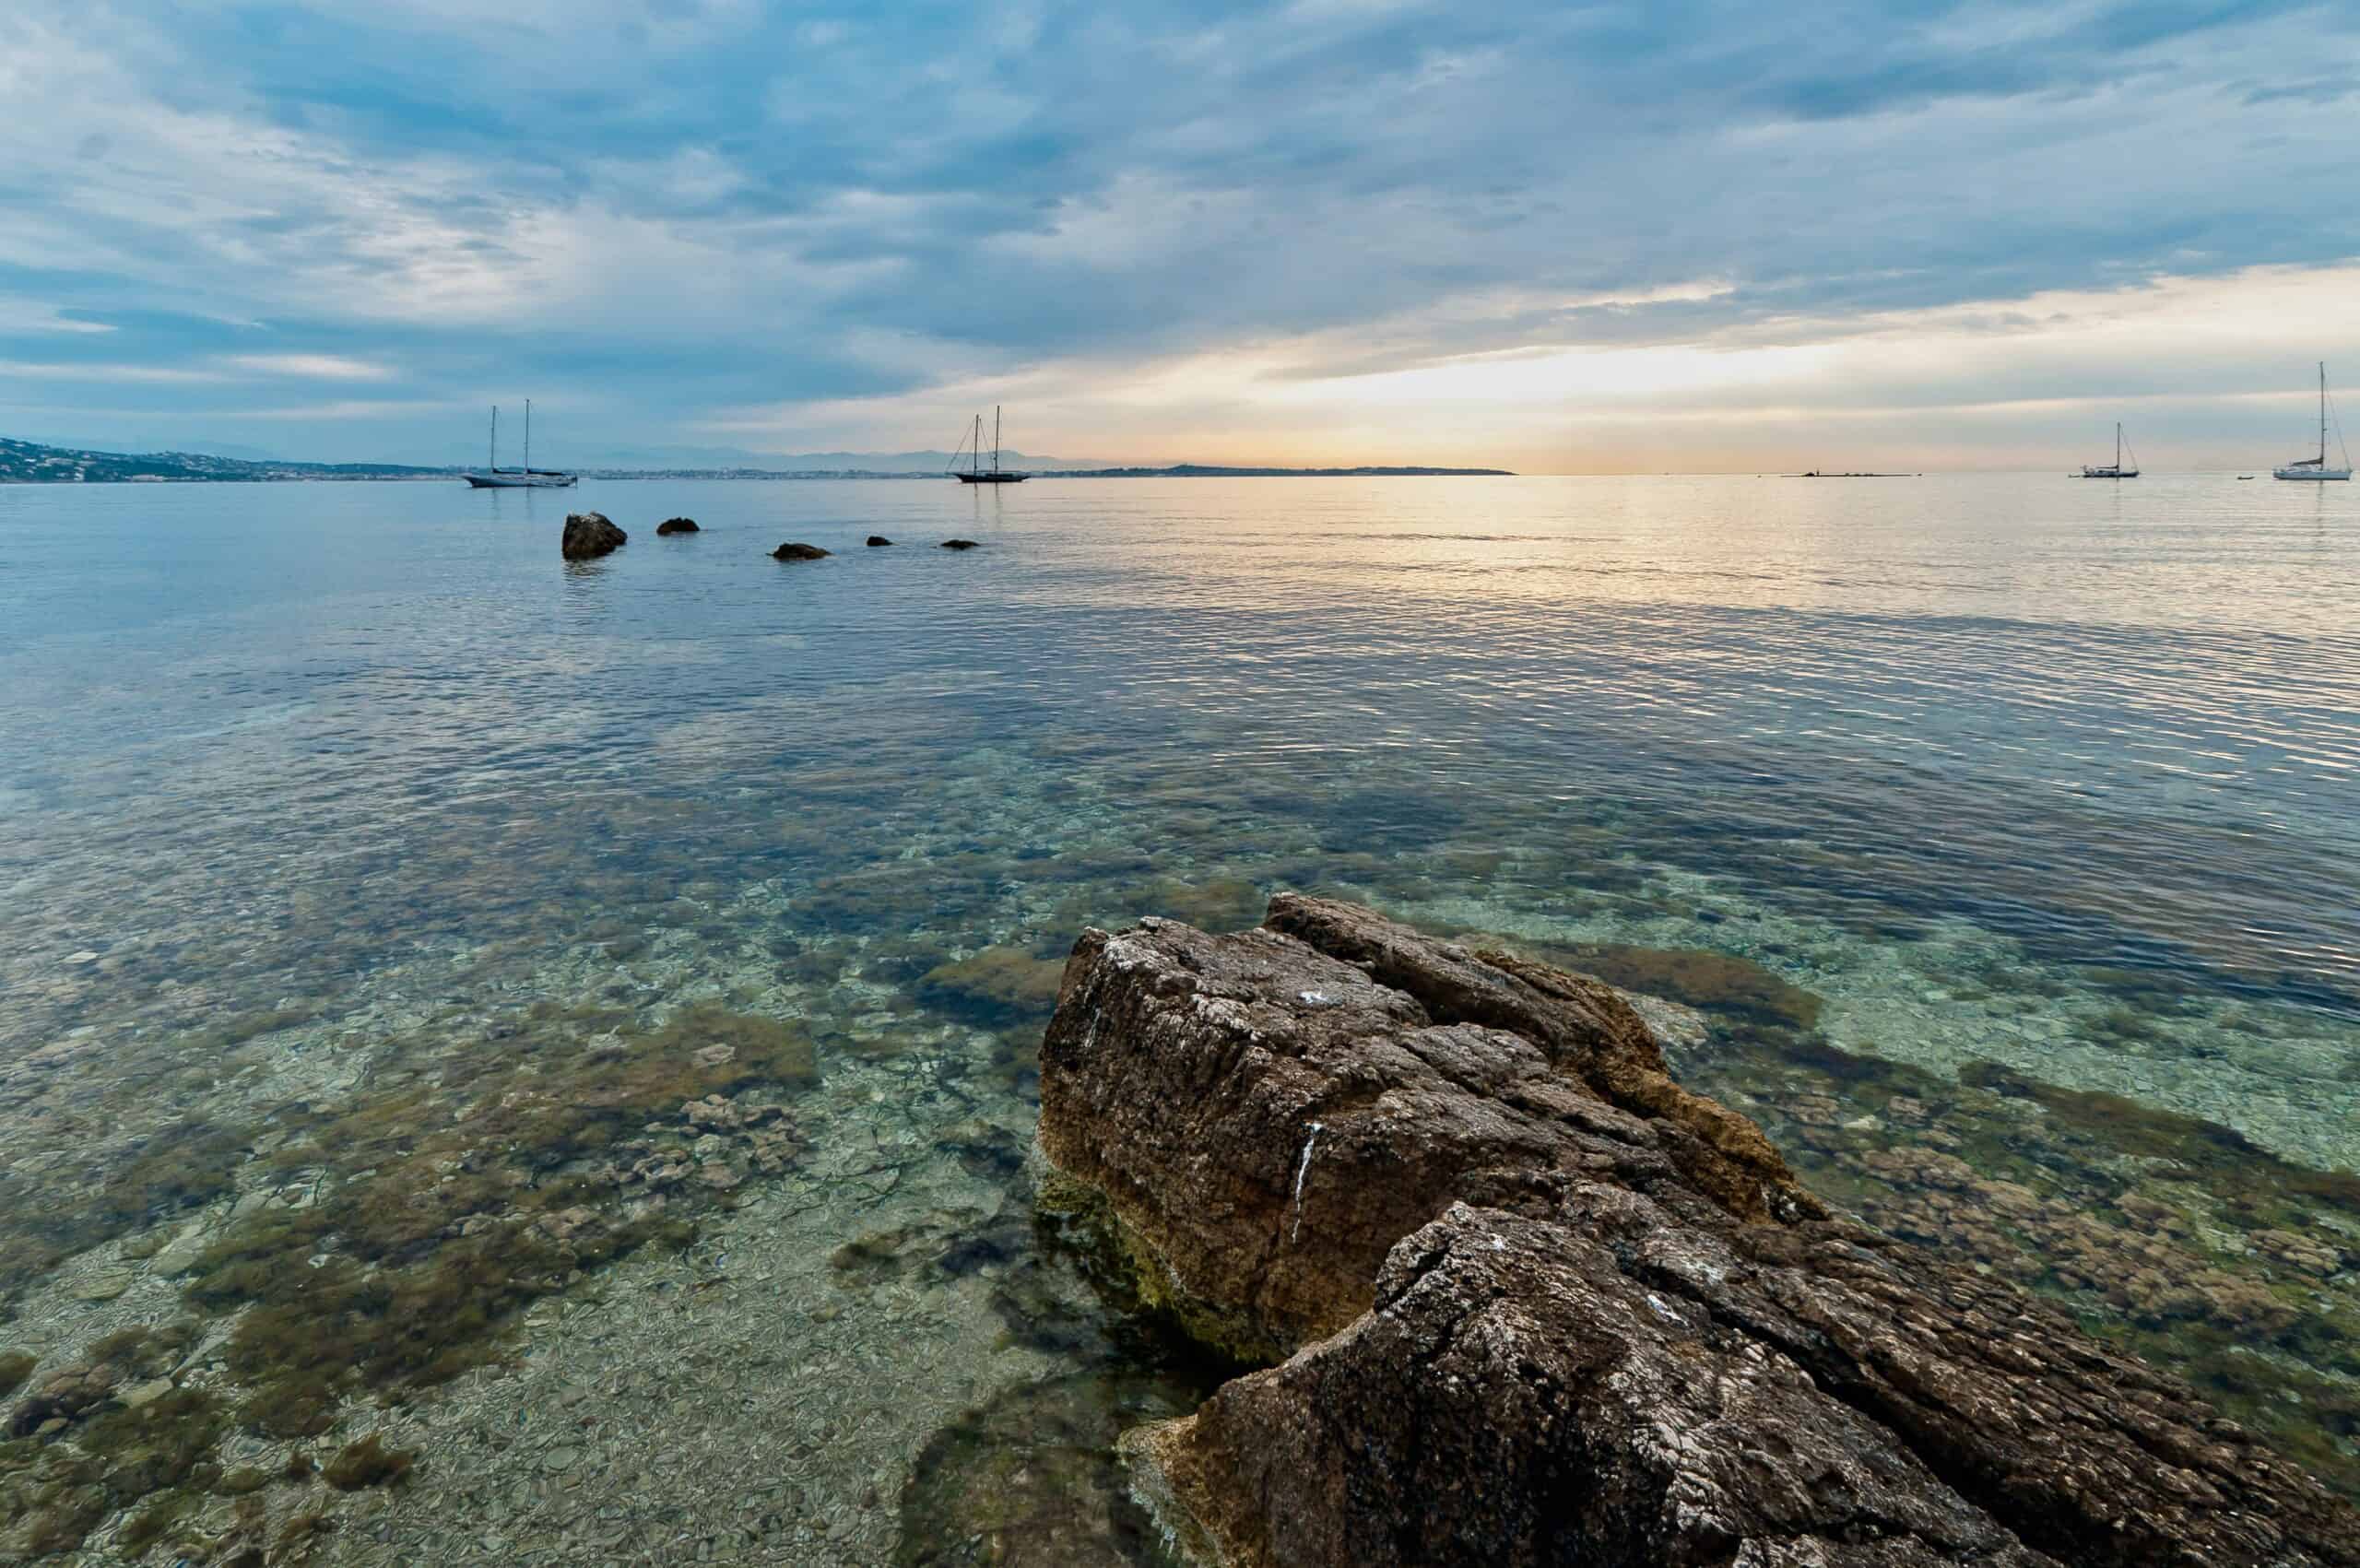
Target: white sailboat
[(2316, 468), (2114, 470), (528, 478)]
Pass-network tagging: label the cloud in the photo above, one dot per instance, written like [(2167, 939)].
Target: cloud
[(318, 366), (26, 317), (678, 217), (107, 370)]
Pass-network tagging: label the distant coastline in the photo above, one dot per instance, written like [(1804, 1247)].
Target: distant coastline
[(28, 462)]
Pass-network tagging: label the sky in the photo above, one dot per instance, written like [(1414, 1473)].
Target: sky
[(1684, 235)]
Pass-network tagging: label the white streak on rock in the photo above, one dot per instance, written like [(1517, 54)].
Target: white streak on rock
[(1302, 1169)]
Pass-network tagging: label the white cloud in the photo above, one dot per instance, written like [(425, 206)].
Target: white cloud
[(96, 371), (317, 367), (33, 315)]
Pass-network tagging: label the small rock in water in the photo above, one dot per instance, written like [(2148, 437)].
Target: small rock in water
[(959, 544), (180, 1255), (589, 534), (147, 1393), (877, 540), (676, 525), (798, 552), (105, 1286)]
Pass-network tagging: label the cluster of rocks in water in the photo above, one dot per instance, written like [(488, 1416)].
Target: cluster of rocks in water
[(1519, 1299), (589, 534), (794, 551)]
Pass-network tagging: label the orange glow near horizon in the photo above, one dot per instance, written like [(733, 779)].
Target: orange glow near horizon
[(2211, 372)]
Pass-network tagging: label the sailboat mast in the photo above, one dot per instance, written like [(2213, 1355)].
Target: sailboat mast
[(995, 438), (2322, 414), (2117, 440), (495, 437)]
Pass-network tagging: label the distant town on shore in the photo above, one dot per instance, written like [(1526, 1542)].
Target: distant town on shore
[(28, 462)]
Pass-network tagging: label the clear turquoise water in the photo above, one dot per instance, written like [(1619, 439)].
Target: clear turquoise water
[(2004, 768)]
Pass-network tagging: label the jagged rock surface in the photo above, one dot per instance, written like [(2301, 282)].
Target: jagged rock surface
[(1541, 1306), (671, 525), (589, 534)]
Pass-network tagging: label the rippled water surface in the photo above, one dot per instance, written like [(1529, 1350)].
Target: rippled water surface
[(389, 901)]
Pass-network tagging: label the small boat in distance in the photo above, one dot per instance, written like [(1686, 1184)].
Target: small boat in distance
[(973, 445), (2316, 468), (2114, 470), (528, 477)]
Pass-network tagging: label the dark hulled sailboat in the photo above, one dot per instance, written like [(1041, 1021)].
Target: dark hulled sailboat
[(975, 473)]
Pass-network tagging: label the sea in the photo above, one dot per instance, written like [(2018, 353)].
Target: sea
[(559, 1040)]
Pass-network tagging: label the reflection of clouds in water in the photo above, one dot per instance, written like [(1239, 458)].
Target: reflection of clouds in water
[(1921, 788), (1869, 702)]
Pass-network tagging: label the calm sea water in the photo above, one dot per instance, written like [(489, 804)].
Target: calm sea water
[(2002, 771)]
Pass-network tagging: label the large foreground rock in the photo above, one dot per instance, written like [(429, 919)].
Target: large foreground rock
[(588, 534), (1539, 1305)]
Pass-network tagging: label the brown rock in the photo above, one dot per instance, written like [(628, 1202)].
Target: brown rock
[(588, 534), (877, 541), (1542, 1306), (798, 552), (960, 545), (671, 525)]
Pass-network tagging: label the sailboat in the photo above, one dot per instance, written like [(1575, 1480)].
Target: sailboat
[(528, 477), (973, 445), (2114, 470), (2317, 467)]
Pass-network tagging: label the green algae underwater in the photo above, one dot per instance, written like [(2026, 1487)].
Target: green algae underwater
[(508, 1074)]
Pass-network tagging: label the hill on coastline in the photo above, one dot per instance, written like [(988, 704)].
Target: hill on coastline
[(23, 462)]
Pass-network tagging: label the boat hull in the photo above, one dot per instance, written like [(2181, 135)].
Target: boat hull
[(523, 481), (2312, 475), (993, 479), (2110, 473)]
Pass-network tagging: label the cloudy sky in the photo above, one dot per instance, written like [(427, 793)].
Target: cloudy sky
[(1559, 238)]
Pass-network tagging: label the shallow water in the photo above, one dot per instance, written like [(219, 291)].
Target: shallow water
[(336, 812)]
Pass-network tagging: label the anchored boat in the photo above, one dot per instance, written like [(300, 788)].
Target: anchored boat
[(2115, 469), (2316, 468), (528, 477), (973, 445)]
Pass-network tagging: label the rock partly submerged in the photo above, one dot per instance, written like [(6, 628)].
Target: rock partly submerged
[(877, 541), (798, 552), (589, 534), (671, 525), (1532, 1302), (961, 545)]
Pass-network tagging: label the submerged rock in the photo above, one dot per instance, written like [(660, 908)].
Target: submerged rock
[(677, 525), (877, 541), (798, 552), (588, 534), (1539, 1306), (960, 545)]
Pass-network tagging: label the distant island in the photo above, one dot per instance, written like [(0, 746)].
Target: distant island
[(23, 462)]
